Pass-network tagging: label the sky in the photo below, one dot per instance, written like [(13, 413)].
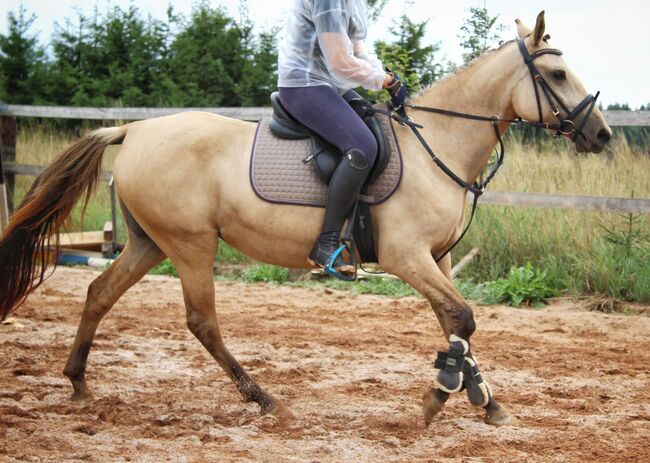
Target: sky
[(604, 42)]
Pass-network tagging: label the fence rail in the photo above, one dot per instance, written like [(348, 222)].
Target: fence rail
[(614, 118), (8, 114), (492, 198)]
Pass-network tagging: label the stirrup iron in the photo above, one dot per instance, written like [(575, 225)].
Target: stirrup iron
[(330, 270)]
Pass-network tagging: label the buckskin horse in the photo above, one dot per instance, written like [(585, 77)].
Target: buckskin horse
[(183, 182)]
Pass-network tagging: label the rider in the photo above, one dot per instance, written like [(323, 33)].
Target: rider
[(321, 59)]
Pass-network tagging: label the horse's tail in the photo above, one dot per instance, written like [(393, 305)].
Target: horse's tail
[(25, 245)]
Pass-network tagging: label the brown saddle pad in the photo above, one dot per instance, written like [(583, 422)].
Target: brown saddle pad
[(278, 175)]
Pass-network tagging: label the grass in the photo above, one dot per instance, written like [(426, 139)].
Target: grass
[(579, 252)]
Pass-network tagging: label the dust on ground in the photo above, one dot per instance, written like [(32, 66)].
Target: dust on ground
[(351, 368)]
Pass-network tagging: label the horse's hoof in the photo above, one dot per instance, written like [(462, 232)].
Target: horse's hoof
[(81, 396), (500, 417), (278, 409), (431, 406)]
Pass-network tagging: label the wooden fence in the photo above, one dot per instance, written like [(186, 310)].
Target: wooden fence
[(8, 114)]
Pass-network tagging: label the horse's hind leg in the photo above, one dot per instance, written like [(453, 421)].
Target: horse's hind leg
[(140, 254), (195, 268), (456, 319)]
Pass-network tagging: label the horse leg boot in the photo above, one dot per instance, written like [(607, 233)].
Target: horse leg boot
[(478, 390), (139, 255), (457, 321), (344, 189), (197, 279)]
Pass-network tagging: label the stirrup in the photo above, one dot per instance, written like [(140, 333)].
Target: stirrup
[(330, 270)]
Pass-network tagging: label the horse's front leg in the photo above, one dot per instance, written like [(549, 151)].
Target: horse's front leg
[(457, 368)]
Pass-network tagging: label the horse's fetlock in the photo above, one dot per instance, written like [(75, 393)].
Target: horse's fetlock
[(464, 324)]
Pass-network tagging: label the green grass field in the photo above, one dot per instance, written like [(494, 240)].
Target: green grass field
[(579, 252)]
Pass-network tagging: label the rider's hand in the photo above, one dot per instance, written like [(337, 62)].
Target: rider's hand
[(396, 88)]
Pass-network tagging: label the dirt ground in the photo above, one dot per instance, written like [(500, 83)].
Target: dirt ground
[(351, 368)]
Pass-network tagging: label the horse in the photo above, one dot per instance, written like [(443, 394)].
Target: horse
[(183, 185)]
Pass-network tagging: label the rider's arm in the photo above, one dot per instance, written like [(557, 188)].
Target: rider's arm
[(338, 50), (361, 52)]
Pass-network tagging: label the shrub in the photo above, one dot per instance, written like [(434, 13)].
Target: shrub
[(265, 273)]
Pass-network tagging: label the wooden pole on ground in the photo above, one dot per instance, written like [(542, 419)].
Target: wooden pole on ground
[(464, 262)]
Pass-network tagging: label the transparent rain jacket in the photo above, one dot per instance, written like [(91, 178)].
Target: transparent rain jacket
[(324, 46)]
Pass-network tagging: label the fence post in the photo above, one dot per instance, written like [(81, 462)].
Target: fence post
[(8, 135), (4, 209)]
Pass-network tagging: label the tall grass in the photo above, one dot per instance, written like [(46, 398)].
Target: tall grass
[(576, 249)]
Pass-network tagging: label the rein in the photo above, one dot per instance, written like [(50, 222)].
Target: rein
[(567, 126)]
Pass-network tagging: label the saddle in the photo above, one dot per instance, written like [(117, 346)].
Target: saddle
[(291, 165), (324, 155), (359, 234)]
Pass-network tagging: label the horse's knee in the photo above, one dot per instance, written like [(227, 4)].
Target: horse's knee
[(464, 324), (98, 299), (196, 323)]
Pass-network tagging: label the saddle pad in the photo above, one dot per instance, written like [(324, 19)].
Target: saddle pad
[(278, 175)]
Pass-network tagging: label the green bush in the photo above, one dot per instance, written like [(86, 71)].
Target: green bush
[(165, 268), (265, 273), (523, 286)]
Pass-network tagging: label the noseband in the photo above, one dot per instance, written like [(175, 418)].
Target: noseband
[(568, 125)]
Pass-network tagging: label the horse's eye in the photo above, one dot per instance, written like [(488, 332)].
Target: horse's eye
[(559, 75)]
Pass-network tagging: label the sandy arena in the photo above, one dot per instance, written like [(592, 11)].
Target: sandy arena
[(351, 368)]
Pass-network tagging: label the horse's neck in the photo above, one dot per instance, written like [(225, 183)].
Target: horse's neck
[(484, 88)]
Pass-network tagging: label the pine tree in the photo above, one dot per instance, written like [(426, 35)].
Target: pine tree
[(619, 107), (415, 62), (22, 60), (479, 32)]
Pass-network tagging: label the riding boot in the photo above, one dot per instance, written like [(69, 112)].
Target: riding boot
[(344, 189)]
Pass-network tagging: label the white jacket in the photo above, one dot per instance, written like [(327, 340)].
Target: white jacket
[(323, 45)]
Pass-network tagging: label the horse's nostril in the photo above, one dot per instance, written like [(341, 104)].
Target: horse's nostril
[(604, 136)]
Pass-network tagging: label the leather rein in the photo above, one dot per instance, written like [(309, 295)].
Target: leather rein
[(567, 126)]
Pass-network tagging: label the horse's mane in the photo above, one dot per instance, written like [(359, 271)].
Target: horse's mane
[(461, 69)]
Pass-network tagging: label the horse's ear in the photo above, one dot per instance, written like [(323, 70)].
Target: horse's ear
[(522, 29), (540, 29)]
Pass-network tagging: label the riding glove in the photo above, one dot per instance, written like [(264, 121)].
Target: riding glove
[(397, 90)]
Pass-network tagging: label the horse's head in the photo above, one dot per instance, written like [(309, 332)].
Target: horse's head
[(549, 92)]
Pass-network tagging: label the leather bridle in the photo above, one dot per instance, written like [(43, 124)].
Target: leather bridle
[(568, 124)]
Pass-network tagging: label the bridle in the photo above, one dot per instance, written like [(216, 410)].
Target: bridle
[(567, 125)]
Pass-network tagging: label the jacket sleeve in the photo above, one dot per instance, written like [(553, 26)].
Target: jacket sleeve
[(330, 20)]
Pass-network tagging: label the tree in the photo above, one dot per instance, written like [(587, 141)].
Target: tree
[(21, 60), (619, 107), (375, 8), (407, 54), (260, 74), (478, 32), (104, 60)]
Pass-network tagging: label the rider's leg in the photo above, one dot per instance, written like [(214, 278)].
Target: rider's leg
[(328, 114)]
